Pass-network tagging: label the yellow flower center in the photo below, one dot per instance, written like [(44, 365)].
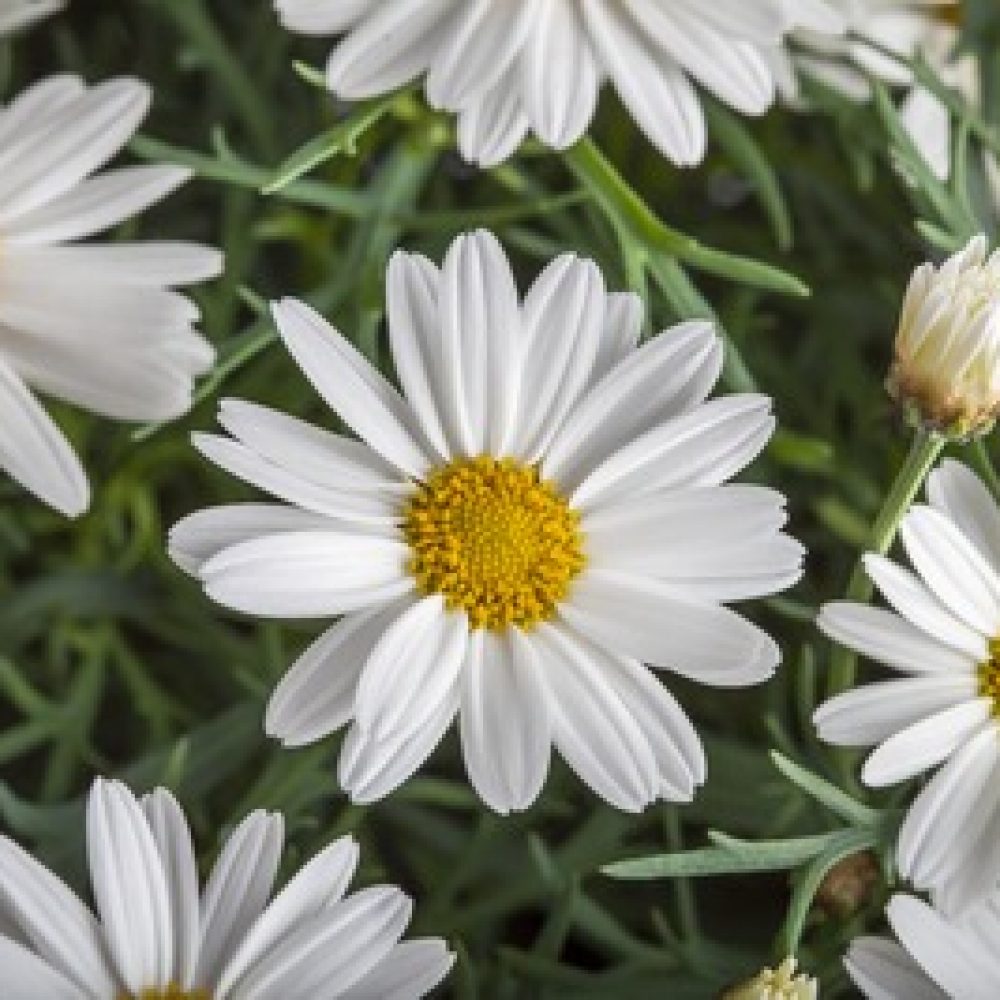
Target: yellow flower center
[(494, 540), (172, 992), (989, 676)]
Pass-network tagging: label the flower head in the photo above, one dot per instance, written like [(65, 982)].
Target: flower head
[(98, 325), (157, 939), (782, 983), (934, 959), (508, 67), (943, 635), (946, 370), (15, 14), (544, 511)]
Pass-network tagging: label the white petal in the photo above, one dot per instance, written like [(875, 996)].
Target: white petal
[(392, 46), (928, 123), (660, 625), (173, 841), (316, 454), (911, 598), (95, 205), (357, 392), (411, 668), (950, 957), (483, 40), (317, 696), (237, 891), (731, 68), (130, 887), (50, 918), (673, 740), (592, 728), (882, 970), (722, 543), (703, 447), (873, 712), (505, 726), (563, 322), (328, 954), (491, 127), (371, 768), (368, 510), (623, 319), (480, 328), (199, 536), (318, 884), (411, 970), (415, 336), (946, 808), (321, 17), (884, 636), (34, 452), (307, 574), (655, 91), (663, 379), (925, 744), (953, 568), (144, 265), (957, 492), (27, 977), (59, 150), (560, 77)]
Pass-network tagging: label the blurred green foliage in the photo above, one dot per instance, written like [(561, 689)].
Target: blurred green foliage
[(112, 661)]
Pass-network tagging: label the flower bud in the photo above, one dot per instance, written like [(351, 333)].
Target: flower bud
[(946, 372), (777, 984)]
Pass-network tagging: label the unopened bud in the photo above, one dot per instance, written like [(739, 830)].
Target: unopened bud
[(946, 373)]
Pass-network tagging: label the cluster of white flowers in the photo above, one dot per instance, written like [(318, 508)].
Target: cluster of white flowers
[(540, 515)]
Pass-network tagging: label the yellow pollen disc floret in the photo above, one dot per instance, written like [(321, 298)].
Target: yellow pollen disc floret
[(172, 992), (494, 540), (989, 676)]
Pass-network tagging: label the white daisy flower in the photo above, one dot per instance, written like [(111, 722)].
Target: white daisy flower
[(16, 14), (542, 512), (821, 49), (942, 634), (935, 959), (947, 351), (95, 324), (154, 938), (508, 67)]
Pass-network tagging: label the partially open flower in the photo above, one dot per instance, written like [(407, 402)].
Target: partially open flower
[(947, 367), (777, 984)]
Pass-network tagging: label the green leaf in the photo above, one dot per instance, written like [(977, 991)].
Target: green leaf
[(838, 802), (341, 139), (750, 159), (729, 857)]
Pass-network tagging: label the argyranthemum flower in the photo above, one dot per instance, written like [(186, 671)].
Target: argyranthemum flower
[(935, 959), (156, 939), (16, 14), (830, 46), (95, 324), (947, 354), (782, 983), (543, 511), (943, 635), (508, 67)]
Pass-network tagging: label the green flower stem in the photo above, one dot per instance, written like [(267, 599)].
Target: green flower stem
[(924, 451), (636, 222)]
